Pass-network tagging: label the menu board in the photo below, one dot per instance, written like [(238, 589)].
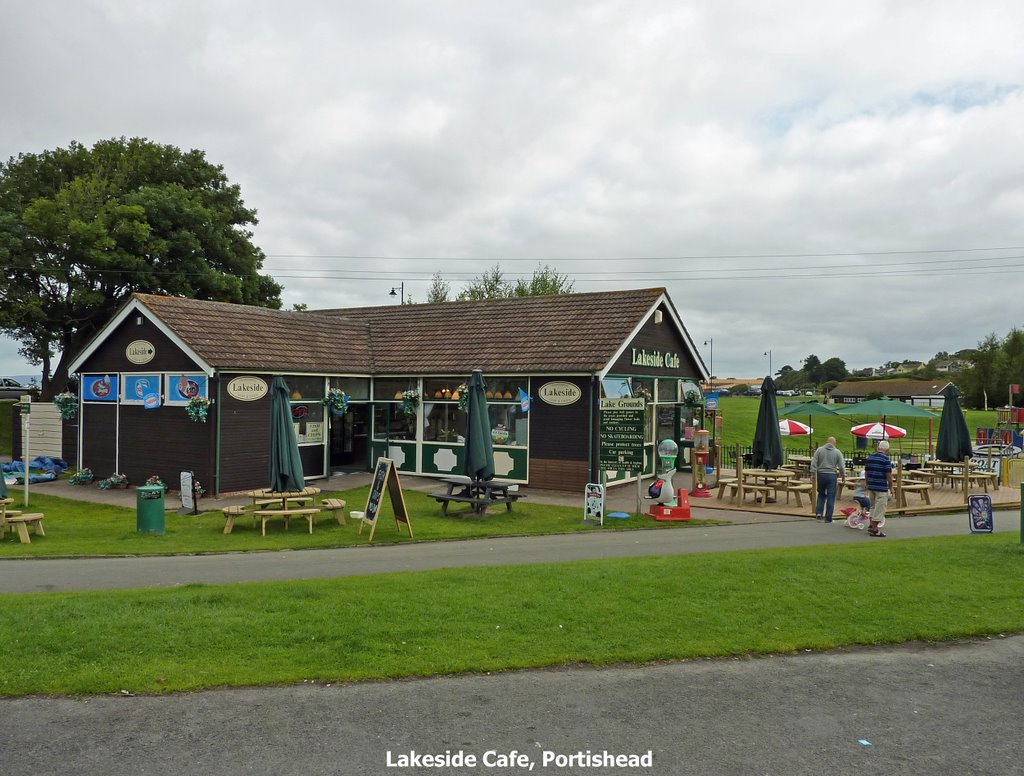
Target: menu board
[(385, 475), (622, 434)]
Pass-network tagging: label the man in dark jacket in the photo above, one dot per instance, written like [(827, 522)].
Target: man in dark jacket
[(827, 466)]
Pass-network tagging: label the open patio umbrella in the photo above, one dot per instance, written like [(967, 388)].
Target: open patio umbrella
[(285, 464), (479, 450), (954, 440), (889, 408), (789, 427), (767, 440), (878, 431), (807, 408)]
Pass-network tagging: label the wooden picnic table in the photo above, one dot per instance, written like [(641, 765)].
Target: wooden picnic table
[(479, 494)]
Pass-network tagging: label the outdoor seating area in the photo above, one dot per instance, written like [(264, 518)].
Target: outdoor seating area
[(268, 505)]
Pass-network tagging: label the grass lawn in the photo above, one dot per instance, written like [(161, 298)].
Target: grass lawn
[(492, 619), (84, 528)]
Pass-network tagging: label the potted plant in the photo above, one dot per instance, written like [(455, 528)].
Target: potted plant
[(116, 481), (81, 477), (155, 480)]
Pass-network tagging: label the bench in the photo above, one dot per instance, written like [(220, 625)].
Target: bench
[(263, 502), (335, 505), (797, 488), (266, 514), (478, 503), (759, 491), (230, 513), (21, 522), (920, 488), (723, 484)]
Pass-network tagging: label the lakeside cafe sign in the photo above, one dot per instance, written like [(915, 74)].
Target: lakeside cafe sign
[(248, 388)]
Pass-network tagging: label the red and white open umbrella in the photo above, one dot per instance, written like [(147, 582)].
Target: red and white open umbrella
[(878, 431), (789, 427)]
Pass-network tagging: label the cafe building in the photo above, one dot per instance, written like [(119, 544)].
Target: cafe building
[(173, 384)]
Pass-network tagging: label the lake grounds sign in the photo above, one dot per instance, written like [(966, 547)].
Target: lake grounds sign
[(622, 435)]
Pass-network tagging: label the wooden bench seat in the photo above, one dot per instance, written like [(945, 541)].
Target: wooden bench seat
[(479, 503), (923, 489), (266, 514), (335, 505), (263, 502), (723, 483), (21, 523), (759, 491), (797, 489), (230, 513)]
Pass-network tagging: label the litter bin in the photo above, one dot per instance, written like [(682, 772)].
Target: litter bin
[(149, 507)]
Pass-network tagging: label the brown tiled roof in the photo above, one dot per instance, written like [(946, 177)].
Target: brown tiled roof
[(232, 335), (892, 388), (563, 333)]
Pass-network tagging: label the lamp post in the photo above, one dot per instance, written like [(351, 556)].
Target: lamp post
[(400, 293), (710, 342), (767, 353)]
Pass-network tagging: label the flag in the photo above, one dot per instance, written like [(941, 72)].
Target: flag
[(524, 400), (1015, 388)]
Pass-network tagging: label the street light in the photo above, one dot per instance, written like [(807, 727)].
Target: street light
[(767, 353), (710, 342), (400, 293)]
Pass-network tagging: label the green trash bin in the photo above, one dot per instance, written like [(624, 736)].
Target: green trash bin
[(149, 506)]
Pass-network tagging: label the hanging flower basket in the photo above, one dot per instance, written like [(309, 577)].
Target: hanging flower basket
[(463, 392), (410, 401), (198, 408), (67, 405), (693, 398), (337, 402)]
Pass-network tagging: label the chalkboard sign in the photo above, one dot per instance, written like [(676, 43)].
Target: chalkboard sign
[(385, 475)]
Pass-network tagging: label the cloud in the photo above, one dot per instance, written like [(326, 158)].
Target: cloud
[(612, 140)]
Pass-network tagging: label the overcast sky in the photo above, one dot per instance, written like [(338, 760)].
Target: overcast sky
[(843, 179)]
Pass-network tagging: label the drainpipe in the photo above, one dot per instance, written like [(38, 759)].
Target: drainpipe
[(216, 440), (590, 431)]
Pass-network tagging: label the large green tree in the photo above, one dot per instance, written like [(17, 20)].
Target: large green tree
[(81, 229)]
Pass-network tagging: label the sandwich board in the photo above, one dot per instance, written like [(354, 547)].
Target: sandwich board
[(385, 475)]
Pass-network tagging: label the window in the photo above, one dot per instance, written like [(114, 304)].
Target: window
[(391, 389), (357, 388), (616, 388)]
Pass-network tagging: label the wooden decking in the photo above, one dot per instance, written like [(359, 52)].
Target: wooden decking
[(943, 499)]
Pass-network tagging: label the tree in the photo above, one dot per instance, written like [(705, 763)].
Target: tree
[(545, 282), (81, 229), (834, 370), (490, 285), (812, 368), (439, 289)]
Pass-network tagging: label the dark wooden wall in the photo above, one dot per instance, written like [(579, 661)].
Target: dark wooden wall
[(560, 438), (244, 440)]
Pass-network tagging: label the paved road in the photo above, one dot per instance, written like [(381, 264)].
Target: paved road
[(49, 574), (943, 710)]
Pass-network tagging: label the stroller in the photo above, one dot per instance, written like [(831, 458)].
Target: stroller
[(858, 518)]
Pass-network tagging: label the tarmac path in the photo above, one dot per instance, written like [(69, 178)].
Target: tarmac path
[(53, 574)]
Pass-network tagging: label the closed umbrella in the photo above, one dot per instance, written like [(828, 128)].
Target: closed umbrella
[(954, 440), (878, 431), (767, 440), (479, 450), (285, 464)]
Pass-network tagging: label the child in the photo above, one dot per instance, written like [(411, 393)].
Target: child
[(855, 519)]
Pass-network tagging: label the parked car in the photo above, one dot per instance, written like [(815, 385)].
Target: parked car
[(788, 392), (808, 393), (13, 389)]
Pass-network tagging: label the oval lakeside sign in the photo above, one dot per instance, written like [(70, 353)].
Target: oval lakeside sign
[(559, 393), (140, 351), (248, 388)]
